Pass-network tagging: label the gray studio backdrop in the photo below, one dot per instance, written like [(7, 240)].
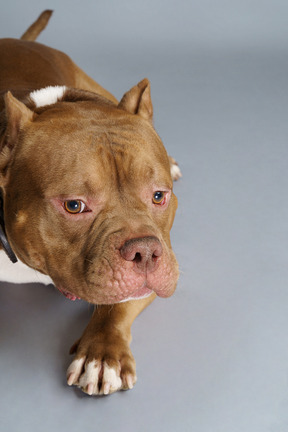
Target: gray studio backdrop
[(214, 357)]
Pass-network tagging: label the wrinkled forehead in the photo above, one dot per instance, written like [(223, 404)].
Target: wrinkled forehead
[(94, 149)]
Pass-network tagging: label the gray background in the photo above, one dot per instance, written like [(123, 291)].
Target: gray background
[(214, 357)]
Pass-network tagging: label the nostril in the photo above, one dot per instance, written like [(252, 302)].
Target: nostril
[(137, 258)]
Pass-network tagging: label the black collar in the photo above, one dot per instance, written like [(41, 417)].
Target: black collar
[(3, 238)]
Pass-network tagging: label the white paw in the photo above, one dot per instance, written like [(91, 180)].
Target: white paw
[(97, 378)]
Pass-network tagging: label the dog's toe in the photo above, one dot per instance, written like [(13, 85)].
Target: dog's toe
[(111, 380), (89, 379), (75, 370)]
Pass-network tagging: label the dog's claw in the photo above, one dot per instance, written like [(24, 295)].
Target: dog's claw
[(129, 381), (89, 389), (70, 379), (107, 388)]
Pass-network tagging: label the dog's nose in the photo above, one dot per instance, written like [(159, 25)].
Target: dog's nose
[(144, 252)]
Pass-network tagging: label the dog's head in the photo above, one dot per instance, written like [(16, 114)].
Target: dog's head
[(88, 194)]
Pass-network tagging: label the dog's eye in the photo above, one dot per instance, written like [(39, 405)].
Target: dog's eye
[(159, 198), (74, 206)]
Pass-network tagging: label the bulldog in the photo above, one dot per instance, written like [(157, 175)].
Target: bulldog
[(86, 200)]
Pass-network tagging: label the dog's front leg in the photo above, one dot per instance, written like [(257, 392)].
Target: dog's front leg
[(104, 363)]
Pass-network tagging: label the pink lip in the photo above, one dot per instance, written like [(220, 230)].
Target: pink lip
[(68, 295)]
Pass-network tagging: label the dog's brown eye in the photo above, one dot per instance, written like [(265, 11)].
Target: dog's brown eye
[(74, 206), (159, 198)]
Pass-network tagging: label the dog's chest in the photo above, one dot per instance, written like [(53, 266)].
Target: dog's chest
[(19, 272)]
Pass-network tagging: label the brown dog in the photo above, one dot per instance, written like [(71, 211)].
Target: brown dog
[(87, 199)]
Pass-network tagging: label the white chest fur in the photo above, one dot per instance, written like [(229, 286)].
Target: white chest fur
[(19, 272)]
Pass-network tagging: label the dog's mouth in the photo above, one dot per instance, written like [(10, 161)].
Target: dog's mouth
[(140, 293)]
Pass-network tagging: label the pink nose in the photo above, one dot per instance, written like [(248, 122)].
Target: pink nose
[(144, 252)]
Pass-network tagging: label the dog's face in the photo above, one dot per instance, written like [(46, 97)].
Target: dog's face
[(88, 197)]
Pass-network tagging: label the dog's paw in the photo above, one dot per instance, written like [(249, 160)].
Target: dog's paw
[(174, 169), (102, 368)]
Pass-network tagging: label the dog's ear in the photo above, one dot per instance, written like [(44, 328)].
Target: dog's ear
[(138, 100), (17, 115)]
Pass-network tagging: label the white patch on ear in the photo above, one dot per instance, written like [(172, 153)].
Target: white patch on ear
[(48, 95), (20, 272)]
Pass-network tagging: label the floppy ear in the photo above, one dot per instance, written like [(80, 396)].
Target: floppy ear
[(17, 115), (138, 100)]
